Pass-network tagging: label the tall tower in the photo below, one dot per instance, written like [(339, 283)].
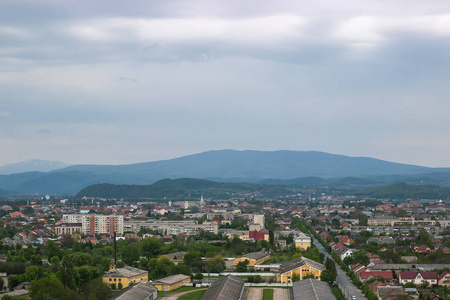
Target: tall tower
[(202, 202), (170, 203), (186, 204)]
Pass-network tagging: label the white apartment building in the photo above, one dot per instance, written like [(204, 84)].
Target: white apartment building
[(96, 224)]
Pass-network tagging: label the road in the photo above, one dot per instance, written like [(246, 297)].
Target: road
[(344, 283)]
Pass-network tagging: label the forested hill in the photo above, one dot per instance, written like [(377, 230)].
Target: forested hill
[(182, 188), (405, 191)]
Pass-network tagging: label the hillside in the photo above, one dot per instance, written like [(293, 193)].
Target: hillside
[(405, 191), (181, 188), (285, 167)]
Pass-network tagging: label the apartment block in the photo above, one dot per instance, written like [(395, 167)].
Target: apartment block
[(97, 224)]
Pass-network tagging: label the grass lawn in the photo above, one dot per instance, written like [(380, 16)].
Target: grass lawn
[(337, 293), (197, 295), (179, 290), (267, 294)]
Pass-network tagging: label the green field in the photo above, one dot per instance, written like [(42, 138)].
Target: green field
[(267, 294), (337, 293), (197, 295), (179, 290)]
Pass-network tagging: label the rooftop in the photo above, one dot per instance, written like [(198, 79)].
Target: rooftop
[(171, 279), (139, 291), (125, 272), (312, 289), (226, 288), (299, 262), (256, 255)]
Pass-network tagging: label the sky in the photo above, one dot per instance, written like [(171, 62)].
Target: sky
[(115, 82)]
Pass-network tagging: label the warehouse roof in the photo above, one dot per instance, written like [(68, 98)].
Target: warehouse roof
[(256, 255), (299, 262), (125, 272), (139, 291), (226, 288), (312, 289), (171, 279)]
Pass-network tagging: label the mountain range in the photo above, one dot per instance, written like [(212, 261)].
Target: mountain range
[(32, 165), (266, 167)]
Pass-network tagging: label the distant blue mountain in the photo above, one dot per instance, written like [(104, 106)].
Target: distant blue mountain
[(223, 165), (32, 165)]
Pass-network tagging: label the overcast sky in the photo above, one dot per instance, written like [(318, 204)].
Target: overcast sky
[(112, 82)]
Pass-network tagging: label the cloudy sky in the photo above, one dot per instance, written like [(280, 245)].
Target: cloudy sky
[(111, 82)]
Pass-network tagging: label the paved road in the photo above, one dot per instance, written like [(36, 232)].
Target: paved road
[(347, 288), (278, 293)]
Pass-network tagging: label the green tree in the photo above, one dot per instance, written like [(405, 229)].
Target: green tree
[(95, 289), (2, 284), (130, 254), (151, 247), (295, 277), (217, 264), (47, 288), (120, 286), (327, 276), (12, 281), (67, 273), (242, 266)]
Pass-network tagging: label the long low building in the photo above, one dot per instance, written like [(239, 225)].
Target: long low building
[(226, 288), (189, 227), (140, 291), (125, 276), (172, 282), (312, 289), (254, 258)]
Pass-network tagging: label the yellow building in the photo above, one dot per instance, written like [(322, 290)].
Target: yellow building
[(176, 256), (299, 267), (302, 241), (255, 258), (125, 276), (171, 283)]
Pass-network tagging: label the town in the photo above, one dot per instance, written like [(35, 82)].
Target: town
[(299, 247)]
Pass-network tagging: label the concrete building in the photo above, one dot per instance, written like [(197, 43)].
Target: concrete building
[(97, 224), (125, 276), (258, 219), (189, 227), (69, 228), (171, 283), (254, 258), (302, 241)]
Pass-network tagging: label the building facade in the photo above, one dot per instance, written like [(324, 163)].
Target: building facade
[(97, 224)]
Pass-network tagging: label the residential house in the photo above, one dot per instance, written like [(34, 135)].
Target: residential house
[(300, 267), (418, 277)]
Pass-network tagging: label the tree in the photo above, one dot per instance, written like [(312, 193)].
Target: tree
[(67, 273), (120, 286), (327, 276), (271, 238), (242, 266), (310, 275), (2, 284), (295, 277), (96, 289), (130, 254), (12, 281), (47, 288), (151, 247), (217, 264)]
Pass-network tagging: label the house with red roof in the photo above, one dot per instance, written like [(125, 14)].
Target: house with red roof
[(346, 240), (422, 250), (444, 279), (418, 277), (17, 214), (363, 276)]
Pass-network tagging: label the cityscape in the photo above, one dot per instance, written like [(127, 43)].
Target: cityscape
[(224, 150)]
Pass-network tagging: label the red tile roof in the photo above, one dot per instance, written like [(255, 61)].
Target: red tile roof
[(384, 274)]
